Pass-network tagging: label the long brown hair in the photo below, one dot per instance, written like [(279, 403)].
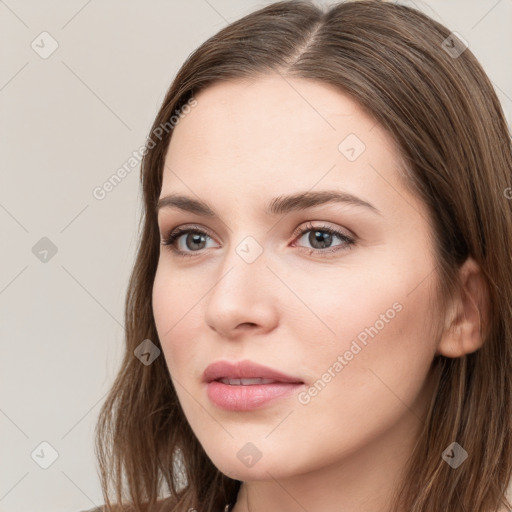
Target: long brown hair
[(433, 97)]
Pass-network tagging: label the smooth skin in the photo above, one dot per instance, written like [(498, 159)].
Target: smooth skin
[(296, 308)]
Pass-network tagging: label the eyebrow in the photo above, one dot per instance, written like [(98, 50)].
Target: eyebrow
[(277, 206)]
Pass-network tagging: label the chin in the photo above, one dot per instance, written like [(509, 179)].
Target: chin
[(244, 461)]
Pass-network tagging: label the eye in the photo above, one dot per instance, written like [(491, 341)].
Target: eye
[(194, 239), (321, 239), (184, 241)]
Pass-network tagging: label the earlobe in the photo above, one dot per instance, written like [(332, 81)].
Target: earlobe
[(467, 319)]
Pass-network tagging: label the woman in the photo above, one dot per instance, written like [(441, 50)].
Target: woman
[(319, 316)]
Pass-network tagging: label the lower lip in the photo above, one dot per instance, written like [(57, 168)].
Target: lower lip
[(247, 398)]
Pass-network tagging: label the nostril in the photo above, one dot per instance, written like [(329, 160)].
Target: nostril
[(247, 324)]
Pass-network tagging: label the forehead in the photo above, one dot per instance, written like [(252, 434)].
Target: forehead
[(269, 136), (290, 116)]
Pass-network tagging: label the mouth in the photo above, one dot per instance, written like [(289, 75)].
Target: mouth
[(245, 385), (247, 397), (246, 373), (246, 382)]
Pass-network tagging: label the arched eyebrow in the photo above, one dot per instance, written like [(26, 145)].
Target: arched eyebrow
[(277, 206)]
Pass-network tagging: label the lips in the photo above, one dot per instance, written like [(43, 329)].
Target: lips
[(245, 373), (246, 382), (245, 386)]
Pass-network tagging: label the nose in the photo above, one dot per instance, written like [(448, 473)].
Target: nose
[(243, 298)]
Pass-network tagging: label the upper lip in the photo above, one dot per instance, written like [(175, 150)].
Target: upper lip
[(244, 370)]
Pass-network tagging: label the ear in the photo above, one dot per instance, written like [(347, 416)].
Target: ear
[(467, 317)]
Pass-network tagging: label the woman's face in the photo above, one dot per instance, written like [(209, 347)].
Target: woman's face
[(347, 316)]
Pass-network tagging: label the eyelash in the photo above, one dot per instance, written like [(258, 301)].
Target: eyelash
[(176, 233)]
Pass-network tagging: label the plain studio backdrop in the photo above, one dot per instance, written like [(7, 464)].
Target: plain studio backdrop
[(80, 84)]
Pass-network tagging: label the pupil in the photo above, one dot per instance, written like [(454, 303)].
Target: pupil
[(320, 237), (197, 239)]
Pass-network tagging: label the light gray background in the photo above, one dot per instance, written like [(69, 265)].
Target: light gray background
[(68, 122)]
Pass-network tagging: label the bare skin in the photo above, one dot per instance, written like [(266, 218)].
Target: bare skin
[(297, 306)]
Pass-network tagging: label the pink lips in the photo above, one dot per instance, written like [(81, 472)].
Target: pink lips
[(240, 389), (244, 369)]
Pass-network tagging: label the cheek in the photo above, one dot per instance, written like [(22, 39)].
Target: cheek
[(176, 309), (372, 303), (177, 295), (376, 365)]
